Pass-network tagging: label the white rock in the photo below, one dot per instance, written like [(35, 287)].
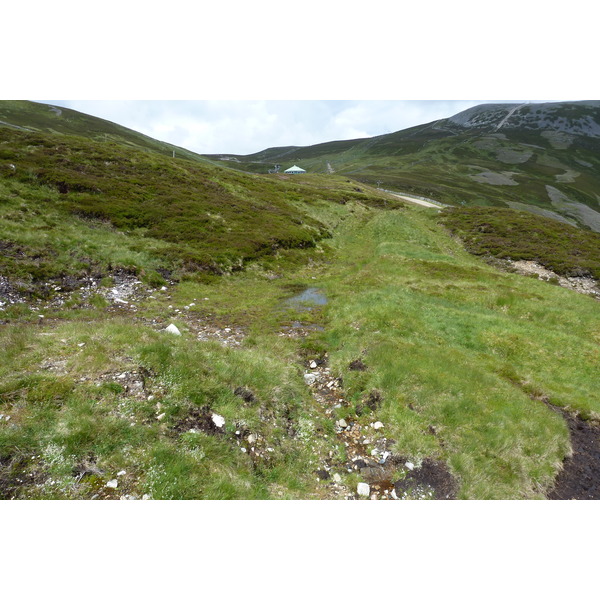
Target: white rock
[(121, 473), (377, 425), (218, 420), (313, 364), (146, 497), (384, 457), (337, 478), (251, 438), (113, 483), (363, 489), (81, 345), (310, 378), (163, 289), (342, 423), (393, 495), (173, 329), (410, 466), (227, 329), (121, 301), (160, 417)]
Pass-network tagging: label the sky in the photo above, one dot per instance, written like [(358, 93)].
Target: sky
[(244, 127)]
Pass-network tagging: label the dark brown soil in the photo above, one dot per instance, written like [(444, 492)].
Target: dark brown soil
[(357, 365), (434, 475), (245, 394), (16, 475), (580, 477), (199, 419)]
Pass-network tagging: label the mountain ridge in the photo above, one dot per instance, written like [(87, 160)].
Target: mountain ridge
[(512, 155)]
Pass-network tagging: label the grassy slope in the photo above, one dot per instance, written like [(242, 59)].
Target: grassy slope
[(448, 341), (38, 117), (75, 207), (506, 233)]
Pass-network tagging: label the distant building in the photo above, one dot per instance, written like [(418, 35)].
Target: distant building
[(294, 170)]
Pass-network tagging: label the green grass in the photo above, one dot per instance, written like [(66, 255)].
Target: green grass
[(74, 207), (454, 350), (87, 414), (451, 344)]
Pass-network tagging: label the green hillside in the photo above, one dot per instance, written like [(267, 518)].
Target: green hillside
[(542, 158), (328, 337), (37, 117)]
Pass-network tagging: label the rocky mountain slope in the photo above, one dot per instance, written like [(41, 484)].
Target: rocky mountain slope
[(543, 158)]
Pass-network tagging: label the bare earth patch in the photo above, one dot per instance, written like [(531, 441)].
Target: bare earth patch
[(582, 285)]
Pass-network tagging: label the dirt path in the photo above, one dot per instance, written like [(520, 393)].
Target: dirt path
[(416, 200), (508, 116), (367, 451)]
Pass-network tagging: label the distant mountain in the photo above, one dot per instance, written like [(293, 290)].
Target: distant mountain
[(544, 158)]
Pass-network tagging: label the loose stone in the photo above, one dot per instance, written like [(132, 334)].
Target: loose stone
[(363, 489), (218, 420), (173, 329), (310, 378)]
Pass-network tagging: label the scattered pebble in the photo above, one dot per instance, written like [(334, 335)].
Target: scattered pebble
[(173, 329), (113, 483), (410, 466)]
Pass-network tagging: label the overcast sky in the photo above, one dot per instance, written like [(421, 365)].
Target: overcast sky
[(244, 127)]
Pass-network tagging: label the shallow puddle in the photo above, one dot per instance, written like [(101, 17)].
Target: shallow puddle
[(307, 299)]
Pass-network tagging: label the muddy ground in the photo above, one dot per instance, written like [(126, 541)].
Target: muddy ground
[(580, 477)]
